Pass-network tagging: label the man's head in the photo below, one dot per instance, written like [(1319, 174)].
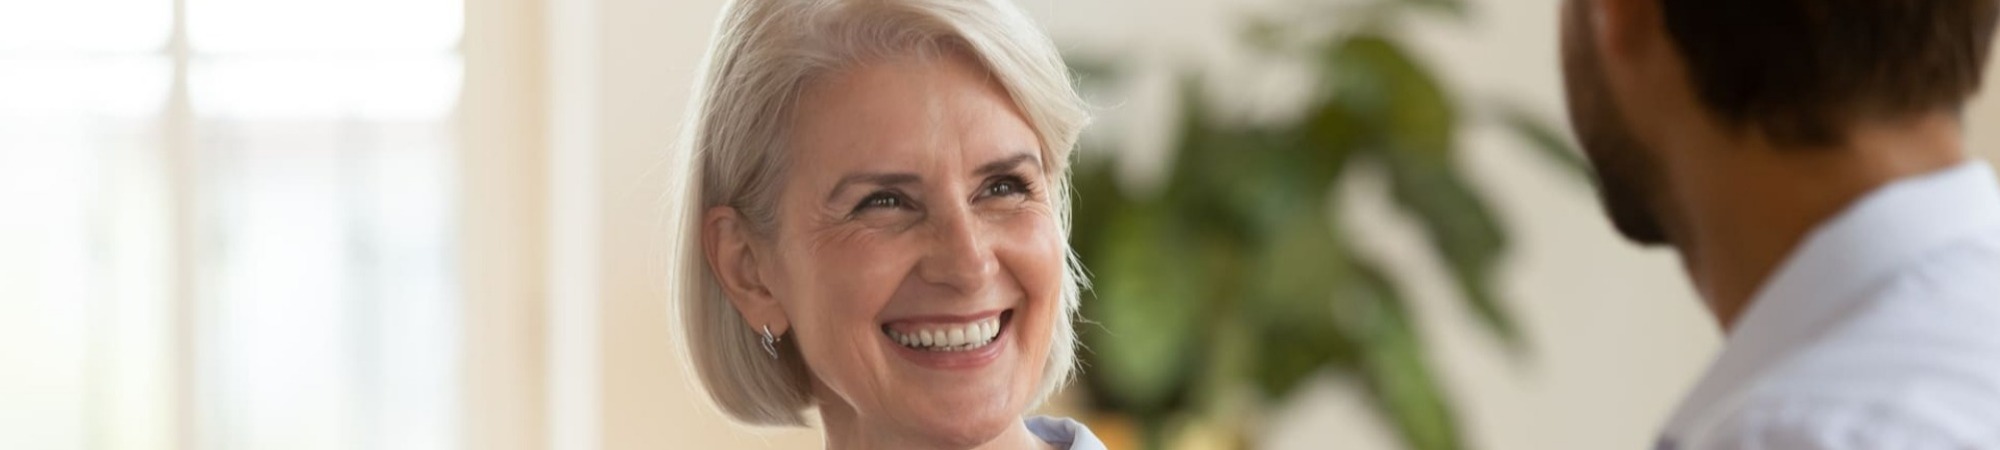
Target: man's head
[(1793, 73)]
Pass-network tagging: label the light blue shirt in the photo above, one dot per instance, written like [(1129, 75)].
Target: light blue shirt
[(1881, 331), (1064, 433)]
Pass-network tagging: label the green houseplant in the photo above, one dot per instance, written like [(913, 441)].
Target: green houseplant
[(1225, 290)]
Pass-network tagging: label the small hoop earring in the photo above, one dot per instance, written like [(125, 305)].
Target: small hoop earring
[(770, 342)]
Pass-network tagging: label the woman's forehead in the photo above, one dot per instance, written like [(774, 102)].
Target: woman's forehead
[(908, 113)]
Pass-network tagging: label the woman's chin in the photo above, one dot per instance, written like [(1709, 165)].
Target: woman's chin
[(969, 412), (958, 429)]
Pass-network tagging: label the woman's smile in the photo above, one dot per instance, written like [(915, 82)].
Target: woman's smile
[(948, 342)]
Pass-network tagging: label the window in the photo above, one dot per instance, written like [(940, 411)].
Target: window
[(226, 223)]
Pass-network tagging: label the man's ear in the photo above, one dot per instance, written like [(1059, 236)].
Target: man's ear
[(1626, 29), (728, 244)]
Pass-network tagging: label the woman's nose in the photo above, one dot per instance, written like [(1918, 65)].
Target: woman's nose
[(960, 255)]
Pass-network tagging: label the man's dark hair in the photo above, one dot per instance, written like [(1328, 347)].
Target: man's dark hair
[(1801, 71)]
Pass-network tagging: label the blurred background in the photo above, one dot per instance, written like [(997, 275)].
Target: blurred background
[(435, 224)]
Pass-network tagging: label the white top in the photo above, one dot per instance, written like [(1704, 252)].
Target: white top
[(1063, 433), (1881, 331)]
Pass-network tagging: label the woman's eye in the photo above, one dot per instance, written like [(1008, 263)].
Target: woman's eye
[(879, 200), (1007, 186)]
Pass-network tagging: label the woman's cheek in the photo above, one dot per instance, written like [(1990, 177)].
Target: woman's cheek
[(843, 279), (1037, 265), (1042, 244)]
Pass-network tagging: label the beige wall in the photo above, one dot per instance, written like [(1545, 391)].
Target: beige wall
[(1616, 333), (501, 253)]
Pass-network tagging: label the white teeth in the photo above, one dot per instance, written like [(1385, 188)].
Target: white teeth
[(948, 338)]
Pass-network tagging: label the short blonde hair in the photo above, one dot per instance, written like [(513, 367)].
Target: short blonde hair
[(764, 54)]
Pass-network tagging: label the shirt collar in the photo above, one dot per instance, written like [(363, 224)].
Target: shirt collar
[(1824, 278), (1063, 433)]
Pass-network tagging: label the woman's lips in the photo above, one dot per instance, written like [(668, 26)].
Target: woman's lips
[(956, 342)]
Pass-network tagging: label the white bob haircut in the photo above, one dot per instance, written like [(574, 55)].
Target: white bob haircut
[(764, 54)]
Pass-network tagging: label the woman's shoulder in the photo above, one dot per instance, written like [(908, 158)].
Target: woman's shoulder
[(1064, 433)]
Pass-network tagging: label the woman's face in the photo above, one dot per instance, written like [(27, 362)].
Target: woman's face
[(918, 256)]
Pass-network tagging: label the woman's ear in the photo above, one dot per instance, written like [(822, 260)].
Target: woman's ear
[(732, 256)]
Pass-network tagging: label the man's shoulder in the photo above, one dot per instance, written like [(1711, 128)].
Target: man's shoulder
[(1813, 421), (1915, 400), (1930, 313), (1916, 366), (1966, 266), (1928, 337)]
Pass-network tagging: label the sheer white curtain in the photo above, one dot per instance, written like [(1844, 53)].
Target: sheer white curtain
[(225, 223)]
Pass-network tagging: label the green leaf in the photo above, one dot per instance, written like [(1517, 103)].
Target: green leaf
[(1240, 180), (1297, 273), (1335, 130), (1399, 378), (1379, 84), (1461, 228), (1095, 199), (1148, 302), (1416, 125)]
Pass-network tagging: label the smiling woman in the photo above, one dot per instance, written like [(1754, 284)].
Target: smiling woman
[(876, 223)]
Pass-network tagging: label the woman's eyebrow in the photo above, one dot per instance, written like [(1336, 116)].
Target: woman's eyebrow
[(1006, 164), (872, 178), (901, 178)]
